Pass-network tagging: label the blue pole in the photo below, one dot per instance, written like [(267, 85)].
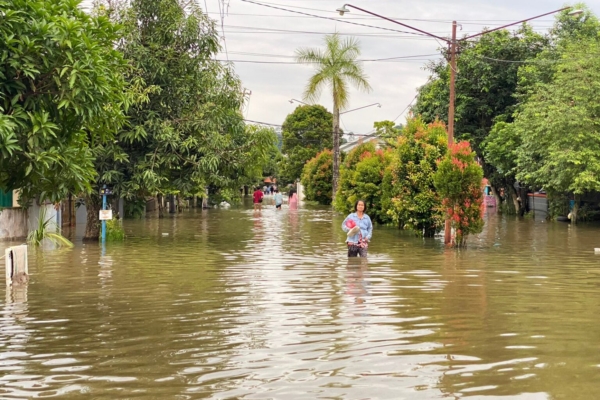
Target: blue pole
[(104, 208)]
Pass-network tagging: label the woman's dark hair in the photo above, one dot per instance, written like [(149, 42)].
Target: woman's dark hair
[(356, 205)]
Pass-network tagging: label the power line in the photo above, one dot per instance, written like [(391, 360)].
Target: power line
[(408, 106), (329, 18), (296, 63), (222, 13), (419, 56), (462, 21), (313, 131), (266, 29)]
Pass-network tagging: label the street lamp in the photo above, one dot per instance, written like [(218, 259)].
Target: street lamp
[(297, 101), (453, 50), (360, 108)]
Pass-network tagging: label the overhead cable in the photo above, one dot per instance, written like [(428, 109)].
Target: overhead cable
[(444, 21), (331, 19)]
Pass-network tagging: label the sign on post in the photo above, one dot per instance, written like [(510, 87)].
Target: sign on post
[(105, 215)]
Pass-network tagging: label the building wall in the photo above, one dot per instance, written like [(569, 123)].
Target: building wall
[(13, 224), (539, 204), (34, 213)]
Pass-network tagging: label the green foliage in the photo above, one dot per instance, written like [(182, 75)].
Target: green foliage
[(135, 208), (114, 230), (486, 85), (335, 68), (62, 93), (567, 30), (273, 162), (361, 177), (262, 160), (185, 131), (47, 230), (559, 126), (458, 181), (317, 177), (346, 186), (558, 204), (306, 132), (409, 195), (500, 149), (387, 130)]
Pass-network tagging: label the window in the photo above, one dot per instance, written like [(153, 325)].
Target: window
[(6, 199)]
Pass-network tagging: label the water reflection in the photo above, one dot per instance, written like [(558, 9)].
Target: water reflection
[(240, 304)]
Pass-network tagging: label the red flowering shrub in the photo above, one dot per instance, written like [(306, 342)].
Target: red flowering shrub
[(409, 196), (458, 182)]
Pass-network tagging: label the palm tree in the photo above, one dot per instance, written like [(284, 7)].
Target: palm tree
[(336, 67)]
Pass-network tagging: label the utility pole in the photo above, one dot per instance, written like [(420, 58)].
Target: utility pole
[(453, 50), (103, 208), (448, 223)]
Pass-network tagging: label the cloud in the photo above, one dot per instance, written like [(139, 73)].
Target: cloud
[(250, 35), (394, 83)]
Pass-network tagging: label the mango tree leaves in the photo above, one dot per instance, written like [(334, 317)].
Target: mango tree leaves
[(61, 93), (185, 131)]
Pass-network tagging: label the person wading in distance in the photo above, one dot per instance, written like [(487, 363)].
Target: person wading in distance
[(257, 198)]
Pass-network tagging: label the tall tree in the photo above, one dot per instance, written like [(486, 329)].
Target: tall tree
[(61, 94), (306, 132), (336, 67), (486, 89), (503, 147), (186, 131), (559, 126)]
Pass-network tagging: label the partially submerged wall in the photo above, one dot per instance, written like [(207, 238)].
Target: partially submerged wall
[(13, 224)]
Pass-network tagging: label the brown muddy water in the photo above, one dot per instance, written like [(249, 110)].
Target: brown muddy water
[(233, 304)]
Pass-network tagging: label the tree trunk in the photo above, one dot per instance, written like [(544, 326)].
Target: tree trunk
[(497, 197), (172, 204), (93, 204), (514, 196), (161, 206), (336, 148)]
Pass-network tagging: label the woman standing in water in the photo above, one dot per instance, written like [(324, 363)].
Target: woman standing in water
[(359, 235), (293, 199)]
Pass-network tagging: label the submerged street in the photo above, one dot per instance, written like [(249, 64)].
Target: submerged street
[(237, 304)]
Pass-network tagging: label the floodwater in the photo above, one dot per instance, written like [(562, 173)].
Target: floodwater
[(234, 304)]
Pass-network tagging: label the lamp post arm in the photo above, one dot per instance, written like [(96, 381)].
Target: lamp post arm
[(515, 23), (360, 108), (399, 23)]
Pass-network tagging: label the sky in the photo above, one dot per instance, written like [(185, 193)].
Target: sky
[(261, 42)]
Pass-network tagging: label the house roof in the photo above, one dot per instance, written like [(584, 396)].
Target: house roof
[(346, 147)]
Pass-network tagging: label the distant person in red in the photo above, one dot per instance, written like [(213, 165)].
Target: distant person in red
[(258, 198)]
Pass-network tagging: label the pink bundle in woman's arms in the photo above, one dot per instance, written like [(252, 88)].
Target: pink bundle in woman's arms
[(354, 229)]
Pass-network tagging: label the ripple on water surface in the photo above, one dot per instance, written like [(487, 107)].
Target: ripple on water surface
[(228, 304)]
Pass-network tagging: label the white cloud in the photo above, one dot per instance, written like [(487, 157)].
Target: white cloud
[(394, 83)]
